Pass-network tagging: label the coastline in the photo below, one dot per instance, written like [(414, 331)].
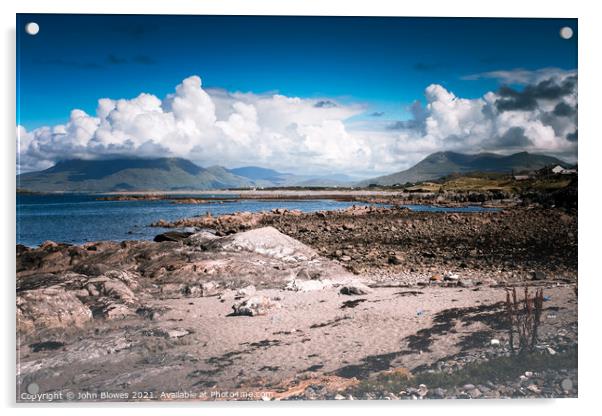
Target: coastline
[(325, 304)]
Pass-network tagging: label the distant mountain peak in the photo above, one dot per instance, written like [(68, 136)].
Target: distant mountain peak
[(440, 164), (158, 174), (129, 174)]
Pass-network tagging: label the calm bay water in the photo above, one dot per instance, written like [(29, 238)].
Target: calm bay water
[(76, 219), (80, 218)]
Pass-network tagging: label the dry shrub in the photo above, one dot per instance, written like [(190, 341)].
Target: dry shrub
[(524, 317)]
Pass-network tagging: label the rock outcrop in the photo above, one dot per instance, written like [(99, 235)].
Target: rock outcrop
[(50, 308), (255, 305), (266, 241), (61, 285)]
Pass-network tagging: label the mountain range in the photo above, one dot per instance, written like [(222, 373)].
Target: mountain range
[(161, 174), (177, 174), (440, 164)]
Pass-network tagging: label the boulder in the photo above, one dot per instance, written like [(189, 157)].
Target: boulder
[(176, 333), (201, 238), (129, 278), (209, 289), (95, 269), (168, 332), (297, 285), (22, 249), (48, 244), (355, 288), (253, 306), (172, 236), (265, 241), (117, 290), (113, 311), (451, 277), (51, 307), (204, 289)]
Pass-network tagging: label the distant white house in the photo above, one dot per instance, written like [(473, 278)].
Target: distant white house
[(562, 171)]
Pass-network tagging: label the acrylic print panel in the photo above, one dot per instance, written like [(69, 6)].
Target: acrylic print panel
[(283, 208)]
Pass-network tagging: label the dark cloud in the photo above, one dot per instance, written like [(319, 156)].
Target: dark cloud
[(377, 114), (526, 100), (399, 125), (514, 100), (514, 137), (557, 123), (406, 124), (418, 111), (325, 104), (419, 115), (562, 109), (572, 137)]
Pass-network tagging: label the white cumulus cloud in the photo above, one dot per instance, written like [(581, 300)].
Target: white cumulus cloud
[(541, 117), (300, 135)]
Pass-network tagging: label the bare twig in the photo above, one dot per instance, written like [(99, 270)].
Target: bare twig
[(524, 317)]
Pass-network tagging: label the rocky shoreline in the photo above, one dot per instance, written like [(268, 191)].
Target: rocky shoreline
[(366, 303), (397, 243)]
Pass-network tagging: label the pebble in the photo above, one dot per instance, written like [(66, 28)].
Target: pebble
[(439, 393), (567, 384), (475, 393), (452, 277), (533, 388), (395, 259)]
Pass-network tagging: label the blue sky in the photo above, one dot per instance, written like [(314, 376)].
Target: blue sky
[(384, 62), (360, 96)]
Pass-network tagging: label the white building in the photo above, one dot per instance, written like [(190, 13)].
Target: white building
[(560, 170)]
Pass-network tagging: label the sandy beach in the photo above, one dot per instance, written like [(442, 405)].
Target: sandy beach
[(278, 305)]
